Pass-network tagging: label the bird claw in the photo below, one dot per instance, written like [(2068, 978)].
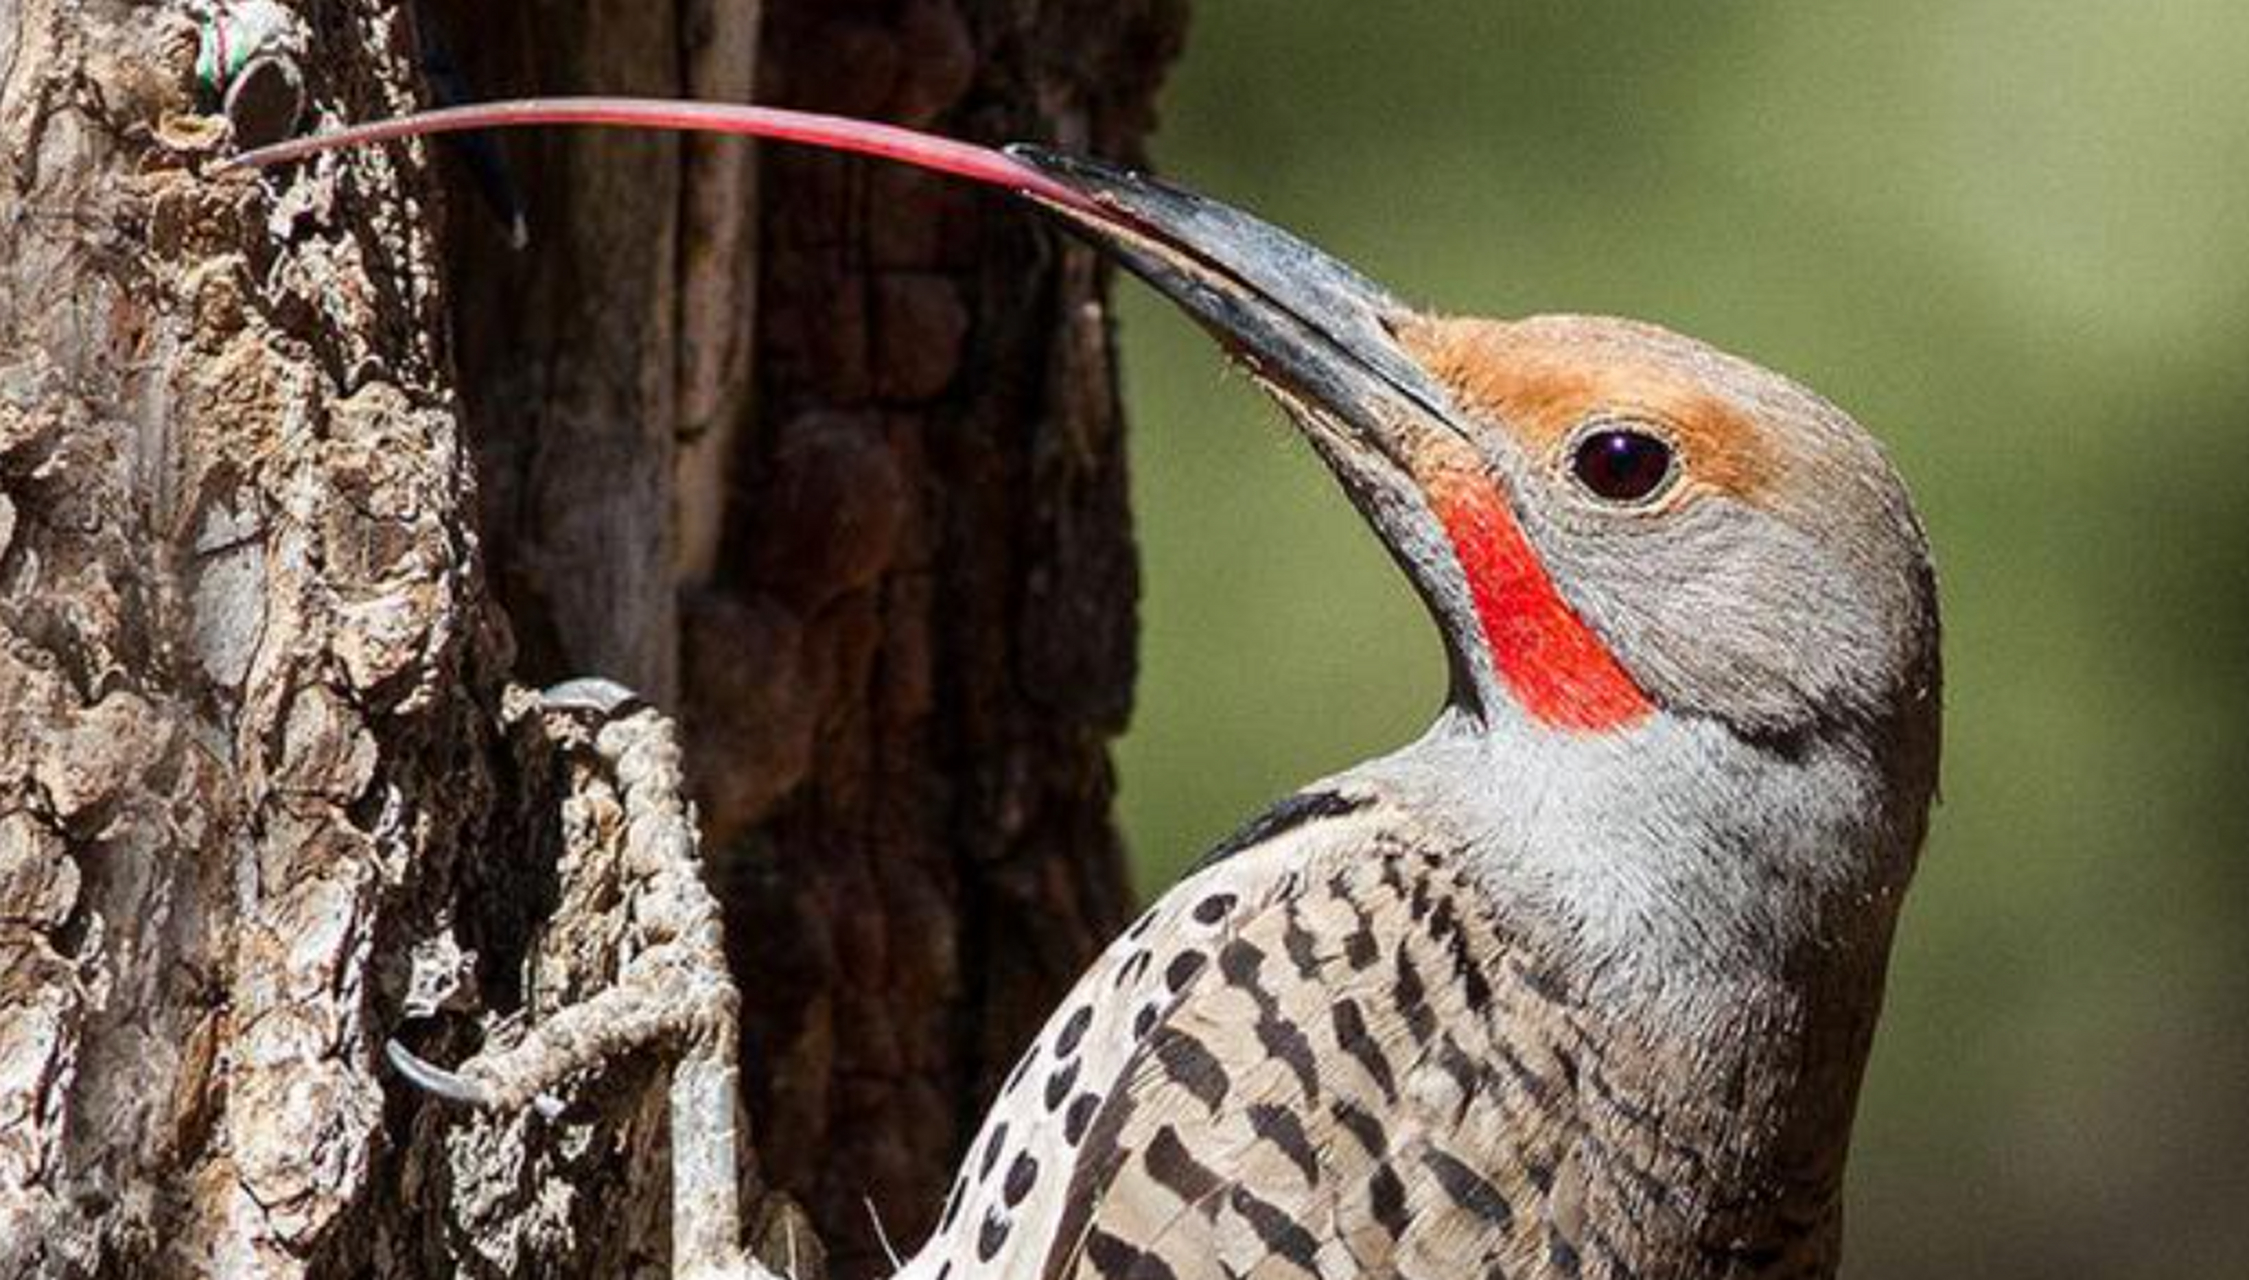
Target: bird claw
[(437, 1082), (672, 989), (592, 694), (432, 1079)]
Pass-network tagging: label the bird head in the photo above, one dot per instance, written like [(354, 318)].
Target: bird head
[(1608, 521)]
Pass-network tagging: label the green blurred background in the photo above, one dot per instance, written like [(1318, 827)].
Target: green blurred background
[(2013, 239)]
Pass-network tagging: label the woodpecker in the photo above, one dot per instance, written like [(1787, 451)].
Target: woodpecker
[(1581, 982)]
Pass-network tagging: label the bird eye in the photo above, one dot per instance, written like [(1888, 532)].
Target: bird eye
[(1619, 464)]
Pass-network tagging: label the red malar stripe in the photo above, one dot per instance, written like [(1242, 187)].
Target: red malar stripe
[(1559, 670)]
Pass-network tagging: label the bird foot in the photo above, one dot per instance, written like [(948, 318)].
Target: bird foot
[(673, 992)]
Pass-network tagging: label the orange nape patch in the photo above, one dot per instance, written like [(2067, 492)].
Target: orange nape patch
[(1560, 672), (1540, 380)]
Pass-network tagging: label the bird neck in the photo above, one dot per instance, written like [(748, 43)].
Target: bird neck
[(1672, 845), (1718, 914)]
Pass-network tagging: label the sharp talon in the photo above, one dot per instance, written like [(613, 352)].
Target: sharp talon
[(592, 693), (433, 1079)]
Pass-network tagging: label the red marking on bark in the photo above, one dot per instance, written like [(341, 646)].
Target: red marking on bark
[(1560, 671)]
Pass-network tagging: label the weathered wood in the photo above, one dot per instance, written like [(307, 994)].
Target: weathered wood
[(271, 450), (244, 657), (931, 527)]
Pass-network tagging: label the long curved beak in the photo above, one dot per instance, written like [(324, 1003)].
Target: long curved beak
[(1306, 324), (1324, 340), (1315, 331)]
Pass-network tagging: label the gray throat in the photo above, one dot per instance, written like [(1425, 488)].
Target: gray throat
[(1715, 916)]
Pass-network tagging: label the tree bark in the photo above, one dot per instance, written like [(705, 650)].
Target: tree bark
[(300, 476)]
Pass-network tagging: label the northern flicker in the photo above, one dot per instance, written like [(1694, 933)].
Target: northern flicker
[(1580, 982)]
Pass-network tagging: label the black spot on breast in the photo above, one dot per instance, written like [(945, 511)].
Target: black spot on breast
[(1078, 1117), (1442, 921), (1193, 1067), (1469, 1189), (1358, 945), (1362, 1126), (1303, 950), (1279, 1126), (1176, 1170), (1394, 875), (1073, 1031), (1351, 1033), (1476, 990), (1296, 811), (1021, 1175), (992, 1147), (991, 1236), (1116, 1260), (1239, 962), (1143, 1022), (1213, 909), (1462, 1071), (1413, 1000), (1182, 970), (1387, 1196), (1287, 1041), (1276, 1230), (1059, 1084)]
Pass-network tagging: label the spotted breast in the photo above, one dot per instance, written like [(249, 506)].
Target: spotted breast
[(1288, 1067)]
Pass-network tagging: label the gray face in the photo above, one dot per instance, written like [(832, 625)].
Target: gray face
[(1776, 582), (1763, 587), (1773, 578)]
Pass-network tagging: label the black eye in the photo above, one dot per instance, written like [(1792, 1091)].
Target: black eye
[(1621, 465)]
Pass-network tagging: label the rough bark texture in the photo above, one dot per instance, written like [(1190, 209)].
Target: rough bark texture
[(241, 658), (933, 503), (260, 807)]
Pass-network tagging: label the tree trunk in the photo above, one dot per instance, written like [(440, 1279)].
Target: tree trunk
[(299, 479)]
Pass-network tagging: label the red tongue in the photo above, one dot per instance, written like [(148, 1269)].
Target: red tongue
[(839, 133)]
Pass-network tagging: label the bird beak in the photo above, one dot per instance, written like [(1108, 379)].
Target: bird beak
[(1311, 328), (1324, 340)]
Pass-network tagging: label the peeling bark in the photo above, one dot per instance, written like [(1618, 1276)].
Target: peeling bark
[(243, 656), (296, 474)]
